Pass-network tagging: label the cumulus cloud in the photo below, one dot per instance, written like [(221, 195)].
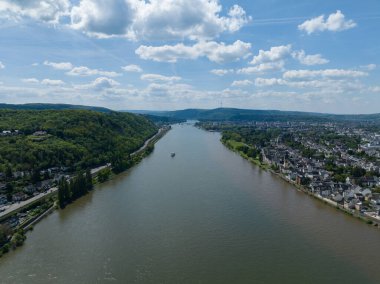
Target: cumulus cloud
[(327, 73), (50, 82), (59, 65), (85, 71), (101, 18), (282, 52), (49, 11), (156, 19), (221, 72), (132, 68), (30, 80), (335, 22), (241, 83), (261, 68), (159, 78), (214, 51), (2, 66), (274, 54), (315, 59), (99, 84)]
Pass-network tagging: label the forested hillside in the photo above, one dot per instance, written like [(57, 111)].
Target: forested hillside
[(77, 139)]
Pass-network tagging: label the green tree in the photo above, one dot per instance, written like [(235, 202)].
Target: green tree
[(89, 184), (61, 194), (104, 175), (8, 172), (36, 177), (5, 231)]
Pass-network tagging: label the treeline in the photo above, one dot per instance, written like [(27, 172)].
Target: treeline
[(249, 135), (70, 190)]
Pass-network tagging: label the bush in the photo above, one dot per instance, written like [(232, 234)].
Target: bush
[(104, 175)]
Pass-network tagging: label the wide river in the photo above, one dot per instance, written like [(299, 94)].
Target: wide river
[(204, 216)]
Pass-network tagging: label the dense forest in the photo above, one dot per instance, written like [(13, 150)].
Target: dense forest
[(77, 139)]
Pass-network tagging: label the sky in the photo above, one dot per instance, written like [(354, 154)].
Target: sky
[(315, 55)]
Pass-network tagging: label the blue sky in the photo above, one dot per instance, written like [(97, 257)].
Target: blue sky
[(310, 55)]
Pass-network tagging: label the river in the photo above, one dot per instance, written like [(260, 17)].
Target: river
[(204, 216)]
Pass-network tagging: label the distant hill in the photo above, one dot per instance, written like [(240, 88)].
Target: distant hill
[(163, 120), (233, 114), (40, 106)]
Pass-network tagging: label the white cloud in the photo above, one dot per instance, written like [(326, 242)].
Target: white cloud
[(264, 82), (132, 68), (59, 65), (369, 67), (335, 22), (242, 83), (169, 91), (216, 52), (2, 66), (99, 84), (375, 89), (156, 19), (31, 80), (282, 52), (327, 73), (261, 68), (221, 72), (315, 59), (275, 53), (321, 83), (158, 78), (49, 11), (50, 82), (85, 71), (101, 18)]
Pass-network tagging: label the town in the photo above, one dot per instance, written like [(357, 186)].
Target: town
[(336, 162)]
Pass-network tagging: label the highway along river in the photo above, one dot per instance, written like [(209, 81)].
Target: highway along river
[(204, 216)]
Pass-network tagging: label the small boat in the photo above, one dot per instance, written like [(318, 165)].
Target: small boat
[(172, 154)]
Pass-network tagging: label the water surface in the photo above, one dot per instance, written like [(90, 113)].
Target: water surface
[(204, 216)]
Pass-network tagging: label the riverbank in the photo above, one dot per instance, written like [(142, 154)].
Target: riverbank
[(50, 196), (363, 217)]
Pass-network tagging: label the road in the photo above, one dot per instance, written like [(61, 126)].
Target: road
[(16, 207), (148, 141)]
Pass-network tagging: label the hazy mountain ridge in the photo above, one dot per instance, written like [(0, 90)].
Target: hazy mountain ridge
[(233, 114), (43, 106)]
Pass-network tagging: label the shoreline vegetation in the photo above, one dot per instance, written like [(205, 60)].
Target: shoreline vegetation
[(126, 139), (234, 145)]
